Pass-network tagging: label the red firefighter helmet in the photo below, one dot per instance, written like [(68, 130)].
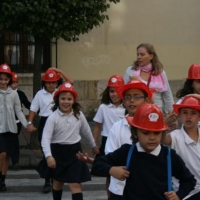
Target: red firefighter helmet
[(4, 68), (50, 76), (194, 71), (115, 81), (14, 77), (66, 87), (148, 117), (187, 102)]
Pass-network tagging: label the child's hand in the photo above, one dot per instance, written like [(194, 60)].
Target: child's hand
[(51, 162), (84, 157), (171, 195), (119, 172), (31, 128), (170, 119), (95, 150)]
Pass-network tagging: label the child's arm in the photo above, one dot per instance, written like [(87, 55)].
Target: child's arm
[(119, 172), (64, 75), (84, 157), (171, 120), (194, 95), (166, 138), (97, 131)]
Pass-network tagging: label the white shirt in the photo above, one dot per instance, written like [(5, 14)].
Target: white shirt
[(107, 115), (43, 101), (119, 134), (189, 150), (65, 129)]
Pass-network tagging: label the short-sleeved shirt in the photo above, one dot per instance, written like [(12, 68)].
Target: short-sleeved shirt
[(107, 115), (43, 102), (119, 134), (189, 150)]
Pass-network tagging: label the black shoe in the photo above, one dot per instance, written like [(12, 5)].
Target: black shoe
[(47, 188), (3, 187)]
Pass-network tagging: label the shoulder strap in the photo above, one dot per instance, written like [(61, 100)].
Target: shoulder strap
[(129, 157), (169, 170)]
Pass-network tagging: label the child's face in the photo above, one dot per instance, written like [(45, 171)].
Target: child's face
[(14, 85), (51, 86), (114, 96), (149, 140), (133, 98), (4, 80), (196, 86), (189, 117), (66, 100)]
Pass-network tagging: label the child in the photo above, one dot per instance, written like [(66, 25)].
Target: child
[(61, 141), (192, 84), (42, 102), (9, 106), (186, 141), (110, 111), (133, 94), (23, 100), (146, 178)]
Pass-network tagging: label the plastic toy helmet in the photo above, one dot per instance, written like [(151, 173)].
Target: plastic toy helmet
[(148, 117), (134, 84), (66, 87), (50, 76), (4, 68), (14, 77), (194, 71), (116, 81), (187, 102)]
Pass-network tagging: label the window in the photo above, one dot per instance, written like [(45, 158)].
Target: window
[(17, 50)]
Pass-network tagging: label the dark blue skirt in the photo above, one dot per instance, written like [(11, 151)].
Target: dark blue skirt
[(68, 168), (9, 143)]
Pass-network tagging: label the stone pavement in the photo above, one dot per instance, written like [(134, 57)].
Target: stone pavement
[(26, 184)]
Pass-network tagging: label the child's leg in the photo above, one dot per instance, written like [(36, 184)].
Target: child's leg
[(76, 191), (2, 174), (57, 190)]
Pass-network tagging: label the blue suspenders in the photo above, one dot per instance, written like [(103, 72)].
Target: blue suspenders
[(169, 166)]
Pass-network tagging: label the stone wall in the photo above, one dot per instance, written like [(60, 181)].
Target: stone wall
[(88, 93)]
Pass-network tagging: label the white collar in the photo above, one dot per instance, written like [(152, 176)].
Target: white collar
[(155, 152), (187, 138)]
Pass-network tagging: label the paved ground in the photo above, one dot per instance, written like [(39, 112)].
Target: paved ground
[(26, 184)]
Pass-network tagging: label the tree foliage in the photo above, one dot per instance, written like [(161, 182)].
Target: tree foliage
[(65, 19)]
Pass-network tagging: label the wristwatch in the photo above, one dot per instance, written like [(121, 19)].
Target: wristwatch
[(28, 123)]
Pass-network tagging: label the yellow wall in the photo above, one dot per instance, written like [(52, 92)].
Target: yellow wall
[(173, 27)]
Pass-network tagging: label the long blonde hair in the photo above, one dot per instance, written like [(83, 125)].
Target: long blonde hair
[(156, 64)]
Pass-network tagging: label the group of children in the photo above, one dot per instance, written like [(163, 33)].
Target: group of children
[(133, 155)]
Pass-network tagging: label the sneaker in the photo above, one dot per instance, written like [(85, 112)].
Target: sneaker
[(3, 187), (47, 188)]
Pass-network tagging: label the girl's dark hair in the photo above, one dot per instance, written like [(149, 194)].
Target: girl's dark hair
[(187, 89), (134, 134), (105, 97), (156, 64), (60, 81), (76, 107), (8, 76)]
